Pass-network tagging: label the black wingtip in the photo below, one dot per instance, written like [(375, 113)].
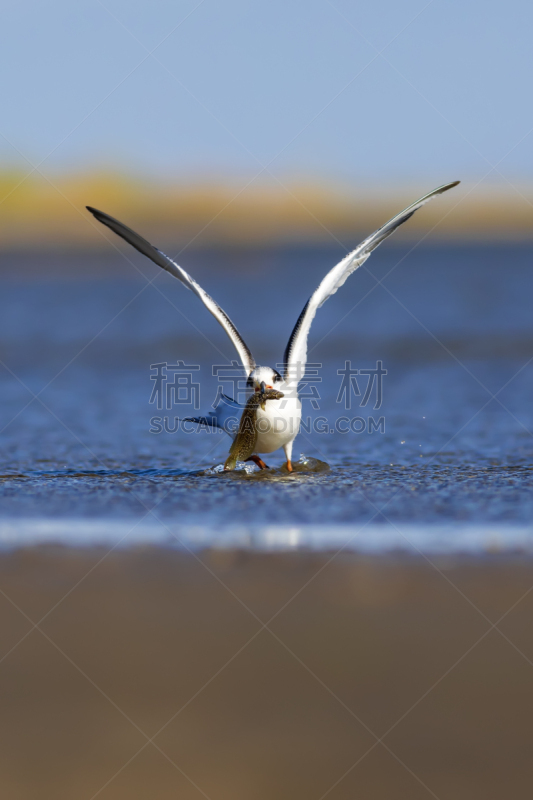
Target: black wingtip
[(446, 187), (104, 218)]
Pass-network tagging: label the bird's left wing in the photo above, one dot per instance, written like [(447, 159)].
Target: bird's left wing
[(162, 260), (295, 357)]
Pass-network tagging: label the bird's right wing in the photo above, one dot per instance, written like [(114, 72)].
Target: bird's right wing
[(162, 260), (295, 357)]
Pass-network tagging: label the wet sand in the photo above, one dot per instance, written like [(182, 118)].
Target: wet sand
[(154, 644)]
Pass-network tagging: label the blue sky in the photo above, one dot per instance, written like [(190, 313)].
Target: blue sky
[(345, 91)]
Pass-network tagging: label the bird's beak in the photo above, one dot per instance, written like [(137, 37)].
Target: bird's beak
[(263, 387)]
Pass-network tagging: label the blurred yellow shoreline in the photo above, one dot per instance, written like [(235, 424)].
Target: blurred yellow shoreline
[(50, 212)]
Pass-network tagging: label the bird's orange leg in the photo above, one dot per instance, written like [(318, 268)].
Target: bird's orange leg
[(288, 455), (259, 461)]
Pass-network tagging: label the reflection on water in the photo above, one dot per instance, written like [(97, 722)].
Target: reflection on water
[(452, 326)]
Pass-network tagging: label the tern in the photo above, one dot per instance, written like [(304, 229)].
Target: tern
[(278, 421)]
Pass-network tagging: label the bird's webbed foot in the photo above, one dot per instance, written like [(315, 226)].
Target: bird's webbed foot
[(259, 461)]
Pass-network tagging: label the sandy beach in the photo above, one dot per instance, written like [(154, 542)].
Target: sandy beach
[(153, 674)]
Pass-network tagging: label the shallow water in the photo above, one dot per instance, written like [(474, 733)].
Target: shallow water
[(449, 468)]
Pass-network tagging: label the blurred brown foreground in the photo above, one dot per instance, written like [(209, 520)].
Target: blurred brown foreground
[(152, 676), (49, 212)]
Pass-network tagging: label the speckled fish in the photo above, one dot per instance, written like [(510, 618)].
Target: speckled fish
[(244, 443)]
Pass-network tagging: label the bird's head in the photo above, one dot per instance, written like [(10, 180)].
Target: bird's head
[(263, 375)]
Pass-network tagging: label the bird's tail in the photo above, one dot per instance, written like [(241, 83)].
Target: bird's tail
[(209, 422)]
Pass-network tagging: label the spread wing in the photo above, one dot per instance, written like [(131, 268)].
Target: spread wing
[(166, 263), (295, 357)]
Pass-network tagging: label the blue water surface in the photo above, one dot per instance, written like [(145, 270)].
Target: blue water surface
[(445, 463)]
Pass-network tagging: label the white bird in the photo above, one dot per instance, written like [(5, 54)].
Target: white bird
[(278, 424)]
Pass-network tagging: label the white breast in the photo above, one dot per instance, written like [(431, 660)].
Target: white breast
[(278, 424)]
